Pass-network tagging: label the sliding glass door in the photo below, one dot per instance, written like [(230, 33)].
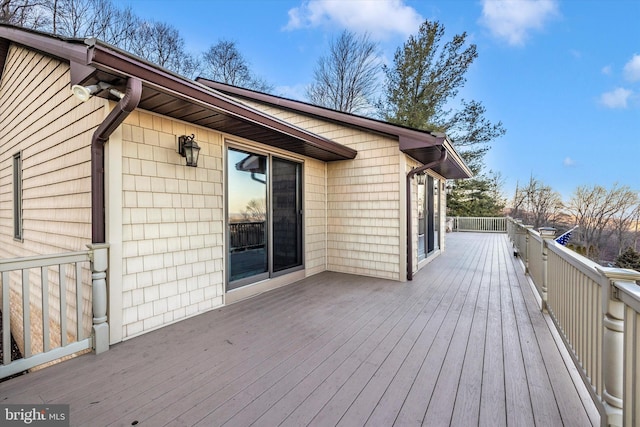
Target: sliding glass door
[(264, 196), (428, 217)]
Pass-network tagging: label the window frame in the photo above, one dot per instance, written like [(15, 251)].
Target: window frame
[(18, 231)]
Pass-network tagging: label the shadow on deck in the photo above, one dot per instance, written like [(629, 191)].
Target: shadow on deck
[(463, 344)]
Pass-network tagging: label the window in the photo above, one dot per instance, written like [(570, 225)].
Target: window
[(17, 196)]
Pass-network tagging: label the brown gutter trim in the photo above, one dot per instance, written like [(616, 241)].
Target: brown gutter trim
[(327, 113), (410, 175), (69, 49), (170, 83), (115, 118)]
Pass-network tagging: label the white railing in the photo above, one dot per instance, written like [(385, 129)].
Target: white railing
[(631, 395), (54, 306), (597, 312), (481, 224)]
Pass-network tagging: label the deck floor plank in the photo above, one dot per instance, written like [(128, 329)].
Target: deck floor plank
[(463, 344), (492, 398)]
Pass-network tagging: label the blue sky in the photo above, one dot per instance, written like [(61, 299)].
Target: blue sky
[(562, 76)]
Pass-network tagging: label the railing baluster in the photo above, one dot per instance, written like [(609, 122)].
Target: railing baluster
[(46, 341), (79, 333), (6, 318), (62, 276), (26, 314)]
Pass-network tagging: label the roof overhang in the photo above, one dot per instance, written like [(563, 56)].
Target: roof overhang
[(426, 152), (174, 96), (423, 146)]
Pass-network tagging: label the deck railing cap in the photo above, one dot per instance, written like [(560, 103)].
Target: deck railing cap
[(624, 274)]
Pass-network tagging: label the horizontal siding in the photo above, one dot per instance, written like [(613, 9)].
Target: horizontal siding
[(40, 117)]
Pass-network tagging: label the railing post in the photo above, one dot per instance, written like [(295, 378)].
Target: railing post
[(547, 234), (613, 341), (526, 229), (99, 264)]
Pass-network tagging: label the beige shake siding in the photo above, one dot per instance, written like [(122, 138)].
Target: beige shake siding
[(42, 120), (363, 198), (173, 222)]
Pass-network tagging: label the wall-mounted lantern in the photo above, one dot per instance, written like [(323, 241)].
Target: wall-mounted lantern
[(189, 148), (421, 178)]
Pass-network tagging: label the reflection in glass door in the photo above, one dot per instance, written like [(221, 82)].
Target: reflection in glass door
[(264, 216), (428, 217), (247, 207), (422, 224)]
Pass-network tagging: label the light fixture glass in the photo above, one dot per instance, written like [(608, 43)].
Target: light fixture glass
[(189, 149), (421, 178), (83, 93)]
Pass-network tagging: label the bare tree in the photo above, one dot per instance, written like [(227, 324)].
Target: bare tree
[(224, 63), (24, 13), (347, 78), (538, 204), (71, 18), (623, 222), (162, 44), (256, 210), (594, 209)]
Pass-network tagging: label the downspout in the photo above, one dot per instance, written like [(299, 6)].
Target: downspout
[(125, 106), (412, 172)]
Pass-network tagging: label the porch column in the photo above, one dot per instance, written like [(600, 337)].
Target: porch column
[(99, 264), (547, 234), (613, 341)]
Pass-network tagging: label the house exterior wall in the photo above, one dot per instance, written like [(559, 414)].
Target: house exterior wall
[(41, 119), (173, 221), (363, 199)]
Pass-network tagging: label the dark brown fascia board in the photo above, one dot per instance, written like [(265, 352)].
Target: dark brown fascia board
[(110, 59), (454, 156), (340, 117), (73, 50), (407, 137)]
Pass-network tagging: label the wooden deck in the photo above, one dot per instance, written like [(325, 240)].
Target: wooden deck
[(463, 344)]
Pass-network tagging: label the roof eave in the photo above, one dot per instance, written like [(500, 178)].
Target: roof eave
[(107, 58), (87, 57), (416, 143)]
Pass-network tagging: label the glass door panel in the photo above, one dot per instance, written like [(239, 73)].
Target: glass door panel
[(430, 217), (286, 200), (248, 221), (422, 225), (436, 214)]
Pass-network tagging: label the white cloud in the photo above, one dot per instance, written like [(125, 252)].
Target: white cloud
[(513, 20), (380, 18), (568, 162), (632, 69), (607, 70), (617, 98)]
